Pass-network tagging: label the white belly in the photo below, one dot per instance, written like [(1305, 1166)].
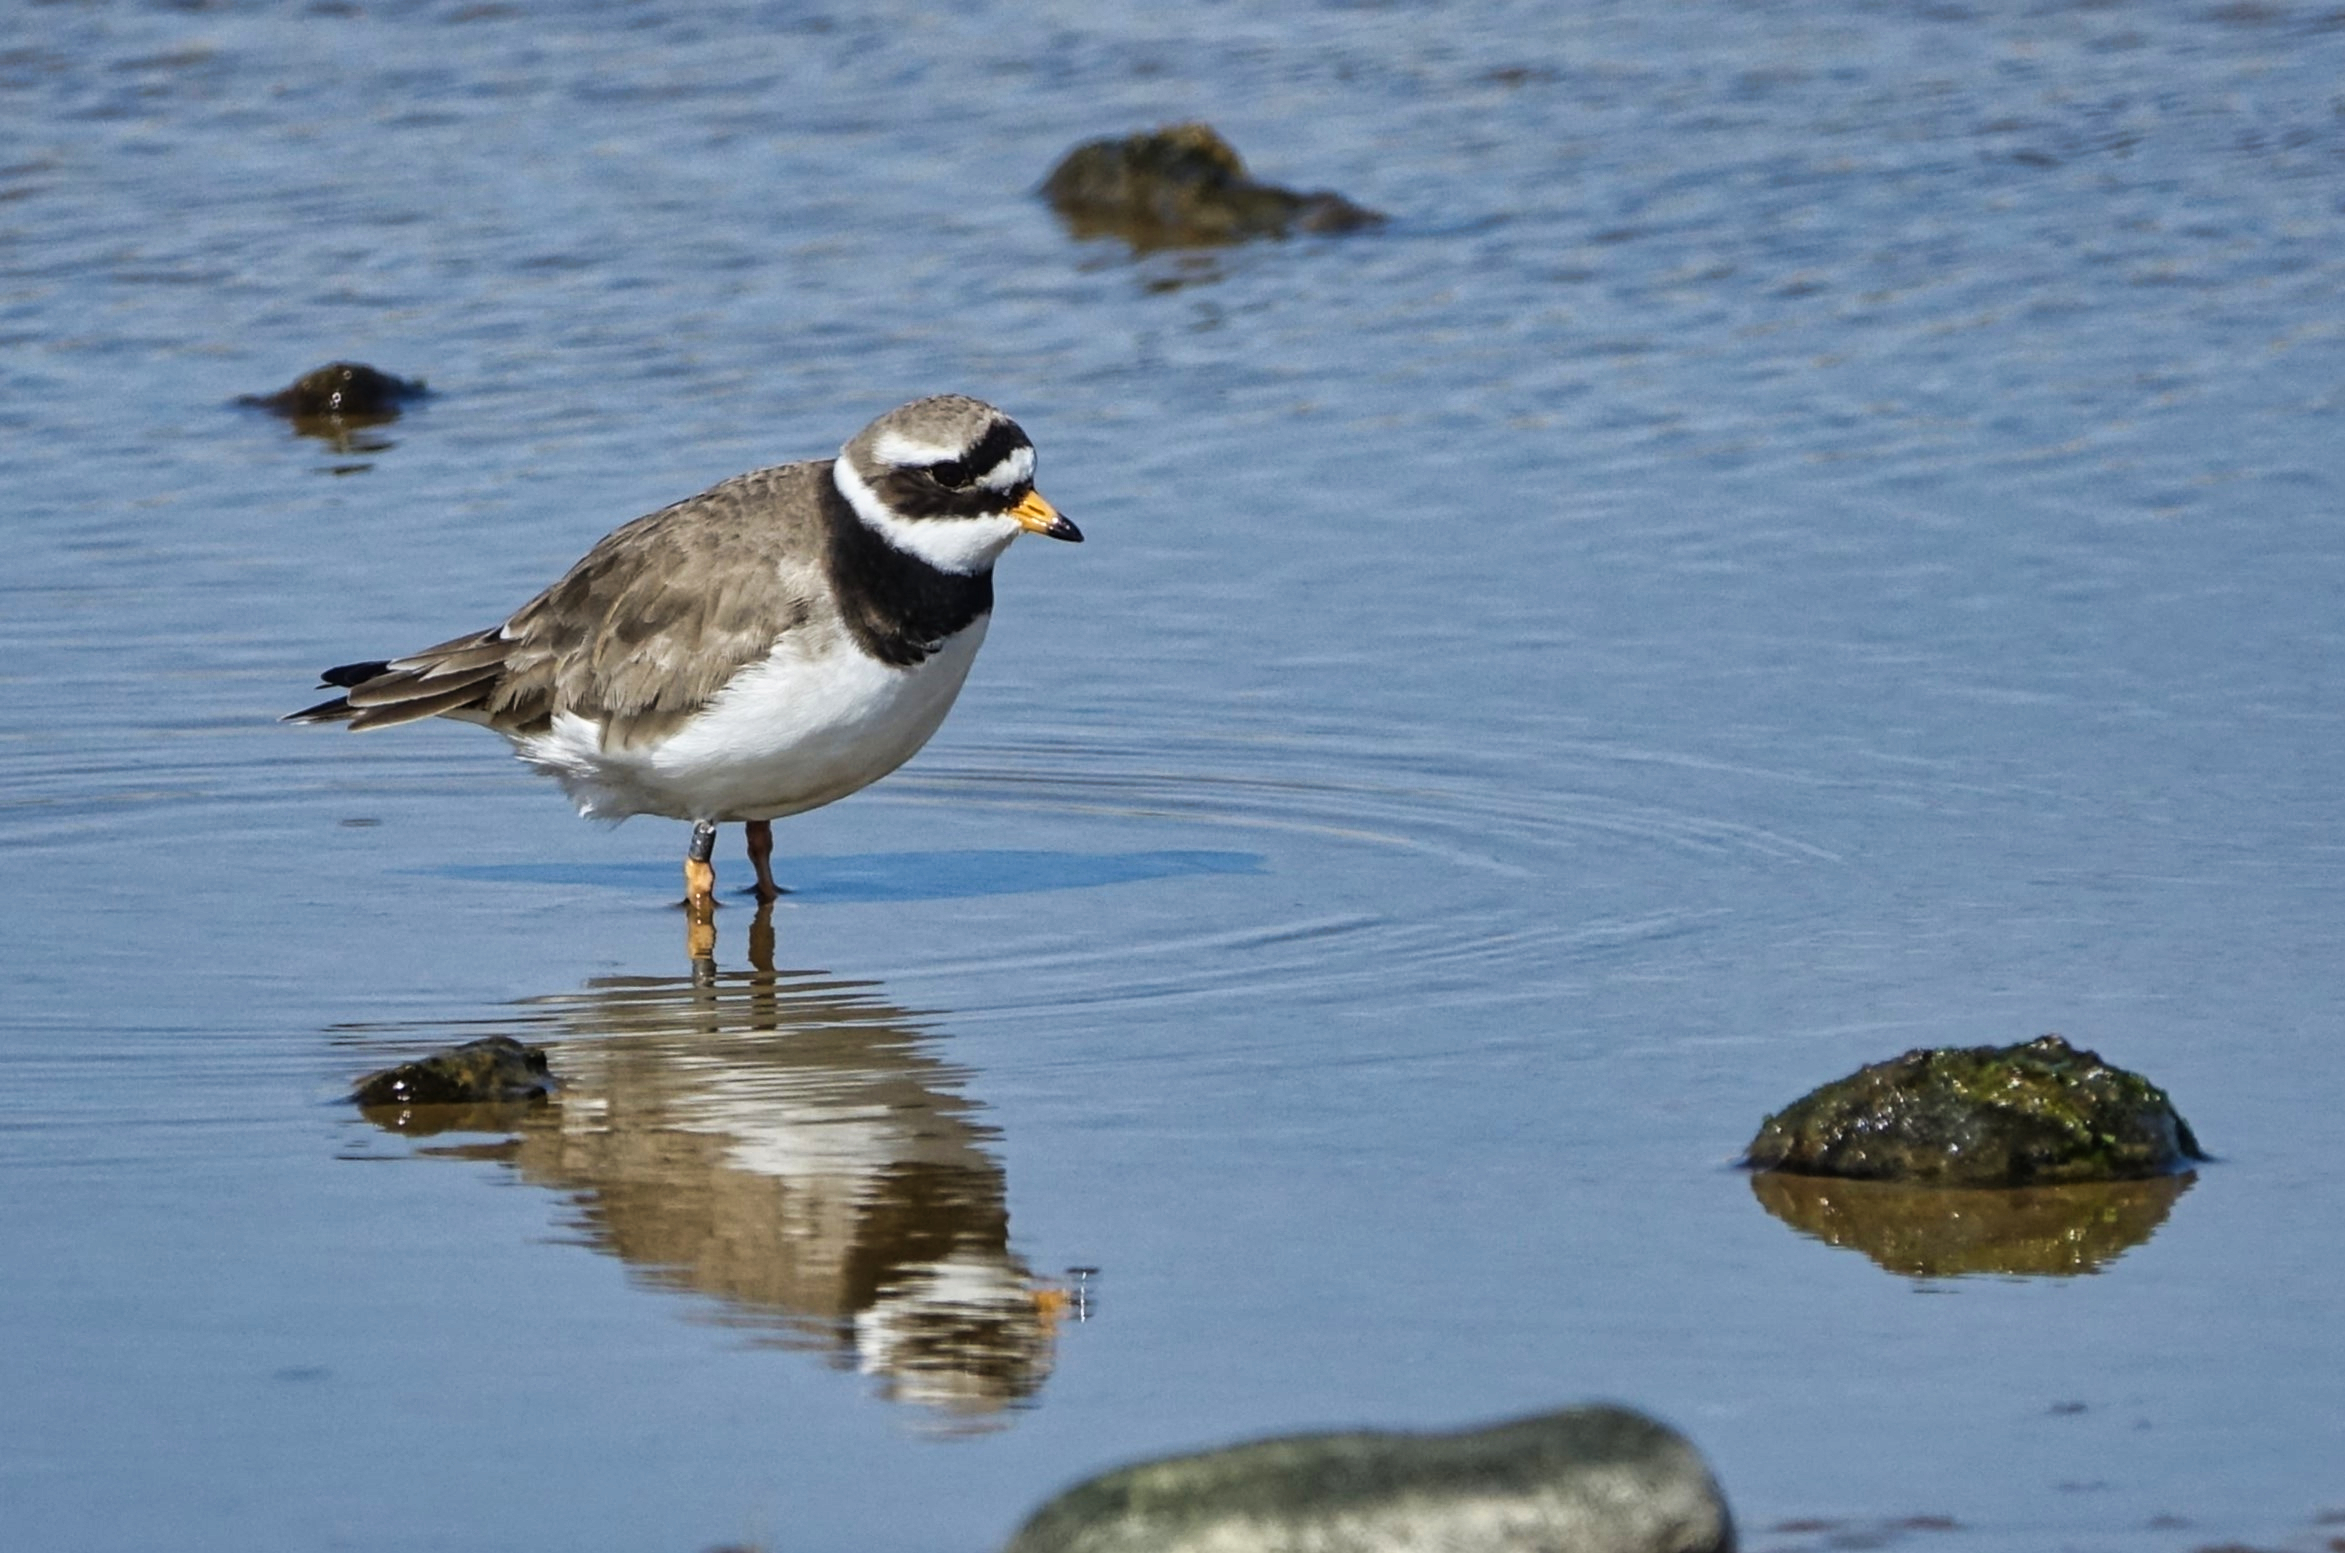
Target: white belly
[(802, 729)]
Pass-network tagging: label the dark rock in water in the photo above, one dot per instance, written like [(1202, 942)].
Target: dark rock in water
[(347, 391), (1586, 1480), (1950, 1231), (498, 1068), (2037, 1114), (1184, 186)]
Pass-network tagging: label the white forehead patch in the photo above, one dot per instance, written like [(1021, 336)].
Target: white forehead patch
[(962, 545), (1011, 472), (891, 447)]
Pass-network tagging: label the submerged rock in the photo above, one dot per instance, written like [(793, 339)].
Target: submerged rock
[(1183, 186), (481, 1072), (1948, 1232), (2037, 1114), (347, 391), (1585, 1480)]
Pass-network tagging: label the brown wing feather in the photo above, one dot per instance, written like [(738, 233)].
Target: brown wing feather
[(412, 708), (653, 622), (640, 634), (465, 655), (398, 690)]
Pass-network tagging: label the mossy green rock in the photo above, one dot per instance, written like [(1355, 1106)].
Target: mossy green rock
[(482, 1072), (1585, 1480), (2038, 1114), (1185, 186)]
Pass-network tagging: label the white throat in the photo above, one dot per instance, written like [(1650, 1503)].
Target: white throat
[(964, 546)]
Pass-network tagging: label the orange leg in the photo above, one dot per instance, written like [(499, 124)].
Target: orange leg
[(700, 892), (761, 857)]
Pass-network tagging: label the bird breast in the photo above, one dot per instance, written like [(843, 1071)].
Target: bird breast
[(797, 730)]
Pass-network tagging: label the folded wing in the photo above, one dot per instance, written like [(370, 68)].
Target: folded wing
[(636, 637)]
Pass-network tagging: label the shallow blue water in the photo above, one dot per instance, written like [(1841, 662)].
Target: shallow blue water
[(896, 876), (1811, 533)]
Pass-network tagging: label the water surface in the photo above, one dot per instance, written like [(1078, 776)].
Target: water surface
[(1811, 533)]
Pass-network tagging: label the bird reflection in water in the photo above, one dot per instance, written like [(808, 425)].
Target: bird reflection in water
[(790, 1146)]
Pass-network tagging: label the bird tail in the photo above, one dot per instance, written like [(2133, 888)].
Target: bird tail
[(385, 692)]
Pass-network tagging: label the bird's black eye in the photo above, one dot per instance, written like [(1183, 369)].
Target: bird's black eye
[(953, 474)]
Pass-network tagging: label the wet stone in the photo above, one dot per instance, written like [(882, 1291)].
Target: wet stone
[(1587, 1480), (2042, 1113), (348, 391), (1185, 186), (489, 1071)]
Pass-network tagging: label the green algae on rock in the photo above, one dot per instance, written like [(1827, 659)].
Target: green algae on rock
[(2035, 1114), (1589, 1479), (1185, 186), (1953, 1231), (495, 1069)]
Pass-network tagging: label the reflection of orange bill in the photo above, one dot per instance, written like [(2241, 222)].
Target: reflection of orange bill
[(1050, 1303)]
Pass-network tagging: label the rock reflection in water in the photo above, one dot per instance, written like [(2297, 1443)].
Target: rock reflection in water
[(1944, 1232), (790, 1146)]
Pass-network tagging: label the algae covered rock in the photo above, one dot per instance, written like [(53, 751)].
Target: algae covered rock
[(2001, 1116), (1183, 186), (347, 391), (1585, 1480), (489, 1071), (1952, 1231)]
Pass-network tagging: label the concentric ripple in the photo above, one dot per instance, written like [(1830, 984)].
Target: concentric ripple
[(1395, 877)]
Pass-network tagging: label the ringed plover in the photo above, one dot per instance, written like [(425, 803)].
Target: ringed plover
[(761, 649)]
